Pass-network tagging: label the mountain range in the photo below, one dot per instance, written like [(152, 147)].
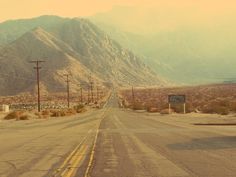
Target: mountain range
[(74, 46), (193, 48)]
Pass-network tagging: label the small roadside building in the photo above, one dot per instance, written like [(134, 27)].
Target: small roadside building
[(4, 108)]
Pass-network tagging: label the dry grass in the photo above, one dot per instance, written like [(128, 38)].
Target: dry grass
[(166, 111), (79, 108), (62, 112), (211, 99), (17, 115), (150, 109), (23, 117)]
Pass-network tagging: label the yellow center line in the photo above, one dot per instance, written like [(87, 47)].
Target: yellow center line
[(71, 170), (71, 155), (71, 159), (94, 146)]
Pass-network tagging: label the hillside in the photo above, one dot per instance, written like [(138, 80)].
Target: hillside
[(75, 46), (38, 44), (102, 55), (13, 29), (170, 42)]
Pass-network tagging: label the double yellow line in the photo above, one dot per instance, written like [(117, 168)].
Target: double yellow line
[(69, 166), (74, 162), (91, 159)]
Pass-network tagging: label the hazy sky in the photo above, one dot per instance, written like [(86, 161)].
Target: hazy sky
[(14, 9)]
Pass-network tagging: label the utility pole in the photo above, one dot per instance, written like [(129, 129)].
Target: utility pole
[(91, 87), (133, 96), (81, 94), (97, 94), (68, 89), (37, 67), (88, 94)]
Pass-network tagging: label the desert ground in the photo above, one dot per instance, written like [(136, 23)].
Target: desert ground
[(212, 99), (115, 141)]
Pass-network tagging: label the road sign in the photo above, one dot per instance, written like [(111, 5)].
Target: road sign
[(176, 99)]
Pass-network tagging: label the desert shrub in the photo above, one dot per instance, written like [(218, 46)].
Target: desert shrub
[(232, 106), (152, 110), (163, 106), (79, 108), (166, 111), (126, 104), (138, 106), (36, 113), (23, 117), (63, 112), (215, 109), (70, 112), (46, 112), (222, 102), (222, 110), (57, 113), (13, 115)]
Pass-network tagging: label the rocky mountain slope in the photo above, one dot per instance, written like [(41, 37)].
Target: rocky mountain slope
[(185, 50), (74, 46)]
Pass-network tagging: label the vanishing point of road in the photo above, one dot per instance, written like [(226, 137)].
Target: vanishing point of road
[(113, 142)]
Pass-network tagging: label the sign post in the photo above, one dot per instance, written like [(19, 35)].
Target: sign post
[(169, 108), (177, 99), (184, 108)]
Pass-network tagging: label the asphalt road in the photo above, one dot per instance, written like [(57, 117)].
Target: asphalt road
[(112, 142)]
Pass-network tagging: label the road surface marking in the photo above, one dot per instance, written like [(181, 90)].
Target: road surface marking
[(94, 146), (74, 162), (92, 155), (71, 154), (74, 152)]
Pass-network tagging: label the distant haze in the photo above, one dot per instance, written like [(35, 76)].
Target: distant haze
[(168, 17), (185, 42), (174, 11)]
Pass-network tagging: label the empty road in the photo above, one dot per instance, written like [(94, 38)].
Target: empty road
[(113, 142)]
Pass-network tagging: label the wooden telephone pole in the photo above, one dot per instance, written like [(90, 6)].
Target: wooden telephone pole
[(68, 89), (133, 96), (81, 95), (98, 96), (37, 67), (88, 94), (91, 87)]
